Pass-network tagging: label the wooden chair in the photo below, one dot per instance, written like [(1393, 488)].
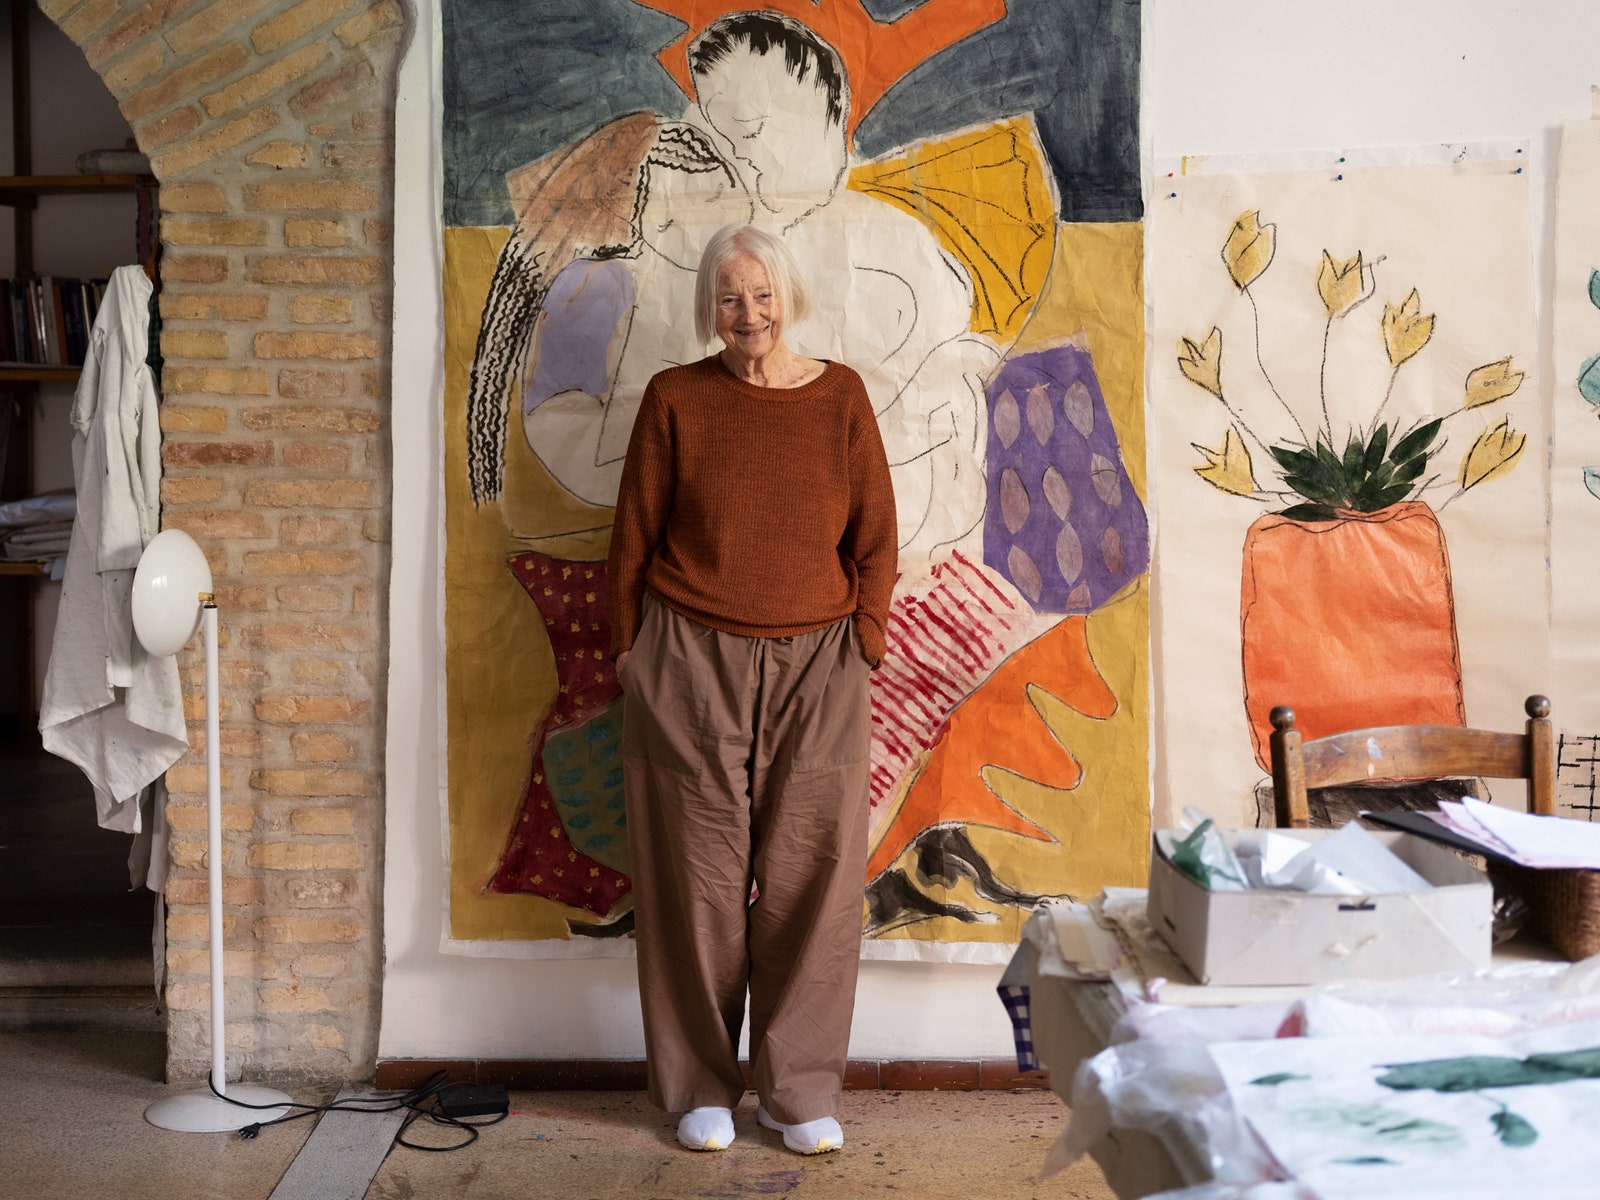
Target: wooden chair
[(1409, 752)]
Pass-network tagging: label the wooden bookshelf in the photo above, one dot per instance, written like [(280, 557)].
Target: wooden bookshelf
[(12, 374), (21, 191)]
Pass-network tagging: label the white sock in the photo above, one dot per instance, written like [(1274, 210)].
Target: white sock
[(810, 1137), (706, 1128)]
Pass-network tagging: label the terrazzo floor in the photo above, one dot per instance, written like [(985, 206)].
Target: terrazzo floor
[(73, 1127)]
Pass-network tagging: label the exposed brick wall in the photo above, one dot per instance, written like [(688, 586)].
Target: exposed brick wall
[(270, 126)]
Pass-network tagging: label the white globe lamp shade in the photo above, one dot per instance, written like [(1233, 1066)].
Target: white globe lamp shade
[(167, 586)]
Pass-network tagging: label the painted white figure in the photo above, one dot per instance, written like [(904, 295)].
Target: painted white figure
[(772, 105)]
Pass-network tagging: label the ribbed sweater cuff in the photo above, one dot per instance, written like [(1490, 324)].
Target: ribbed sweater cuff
[(872, 640)]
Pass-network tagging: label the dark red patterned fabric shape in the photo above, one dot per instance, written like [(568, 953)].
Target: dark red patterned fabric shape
[(540, 857)]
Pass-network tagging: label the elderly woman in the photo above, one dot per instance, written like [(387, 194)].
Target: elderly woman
[(751, 568)]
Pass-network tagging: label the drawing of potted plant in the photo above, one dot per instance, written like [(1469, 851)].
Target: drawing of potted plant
[(1346, 607)]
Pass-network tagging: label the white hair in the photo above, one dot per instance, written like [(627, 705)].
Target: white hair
[(783, 273)]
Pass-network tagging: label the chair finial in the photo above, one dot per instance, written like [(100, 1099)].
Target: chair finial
[(1537, 707), (1282, 717)]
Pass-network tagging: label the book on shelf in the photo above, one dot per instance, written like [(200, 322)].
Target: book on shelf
[(46, 321)]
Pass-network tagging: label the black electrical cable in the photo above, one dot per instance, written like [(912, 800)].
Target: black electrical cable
[(424, 1100)]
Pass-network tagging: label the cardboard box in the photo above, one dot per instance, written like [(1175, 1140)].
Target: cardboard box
[(1265, 937)]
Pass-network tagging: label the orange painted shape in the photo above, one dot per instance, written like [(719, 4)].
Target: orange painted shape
[(876, 55), (1078, 681), (997, 726), (1349, 622)]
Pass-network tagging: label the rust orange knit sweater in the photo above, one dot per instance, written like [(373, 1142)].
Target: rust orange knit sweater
[(765, 512)]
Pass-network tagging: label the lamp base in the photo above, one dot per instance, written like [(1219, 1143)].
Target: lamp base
[(205, 1112)]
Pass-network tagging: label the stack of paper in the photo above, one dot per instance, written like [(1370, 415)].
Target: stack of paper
[(1532, 841)]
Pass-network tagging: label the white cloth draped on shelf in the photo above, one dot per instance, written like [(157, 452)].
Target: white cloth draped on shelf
[(110, 708)]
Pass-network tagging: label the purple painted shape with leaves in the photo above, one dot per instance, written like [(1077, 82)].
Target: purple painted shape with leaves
[(581, 311), (1064, 524)]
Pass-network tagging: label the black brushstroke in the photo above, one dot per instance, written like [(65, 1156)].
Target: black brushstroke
[(946, 855), (621, 927)]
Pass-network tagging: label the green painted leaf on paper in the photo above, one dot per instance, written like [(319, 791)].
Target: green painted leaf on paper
[(1415, 442), (1589, 380), (1275, 1080), (1514, 1130), (1376, 448), (1311, 512), (1372, 1123), (1591, 480), (1474, 1072), (1594, 288), (1366, 1160)]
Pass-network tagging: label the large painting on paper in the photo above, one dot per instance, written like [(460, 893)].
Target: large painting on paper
[(959, 179)]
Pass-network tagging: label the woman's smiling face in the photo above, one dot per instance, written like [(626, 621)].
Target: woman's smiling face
[(749, 317)]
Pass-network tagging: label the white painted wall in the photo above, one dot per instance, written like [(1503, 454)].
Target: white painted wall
[(1220, 76)]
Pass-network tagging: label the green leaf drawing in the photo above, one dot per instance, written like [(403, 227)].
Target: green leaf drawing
[(1366, 1160), (1589, 380), (1475, 1072), (1311, 512), (1416, 442), (1591, 480), (1275, 1080), (1376, 448), (1514, 1130), (1366, 478), (1372, 1123), (1594, 288), (1472, 1073)]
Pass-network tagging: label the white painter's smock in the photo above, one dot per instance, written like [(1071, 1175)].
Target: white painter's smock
[(109, 707)]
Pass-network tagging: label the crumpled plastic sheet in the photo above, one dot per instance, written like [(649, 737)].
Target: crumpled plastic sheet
[(1499, 1002), (1170, 1089)]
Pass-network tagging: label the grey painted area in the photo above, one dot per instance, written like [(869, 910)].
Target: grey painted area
[(522, 79)]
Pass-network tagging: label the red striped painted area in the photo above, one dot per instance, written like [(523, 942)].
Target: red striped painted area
[(945, 638)]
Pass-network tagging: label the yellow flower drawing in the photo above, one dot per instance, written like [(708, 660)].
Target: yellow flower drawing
[(1339, 283), (1491, 382), (1228, 467), (1202, 364), (1405, 329), (1494, 453), (1249, 249)]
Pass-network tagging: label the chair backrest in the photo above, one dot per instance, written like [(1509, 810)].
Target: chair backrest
[(1409, 752)]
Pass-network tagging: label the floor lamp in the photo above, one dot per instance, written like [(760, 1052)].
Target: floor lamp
[(172, 600)]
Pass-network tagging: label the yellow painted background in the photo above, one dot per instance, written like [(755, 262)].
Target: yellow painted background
[(501, 673)]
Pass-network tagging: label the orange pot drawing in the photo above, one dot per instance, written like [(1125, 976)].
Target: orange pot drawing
[(1351, 622)]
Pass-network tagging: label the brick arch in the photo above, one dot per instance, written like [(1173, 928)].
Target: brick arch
[(270, 126)]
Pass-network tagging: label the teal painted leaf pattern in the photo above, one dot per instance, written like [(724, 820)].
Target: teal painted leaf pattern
[(1589, 380), (1594, 288), (1591, 480), (1514, 1130)]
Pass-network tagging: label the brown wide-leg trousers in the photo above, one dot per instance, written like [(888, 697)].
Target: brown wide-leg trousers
[(746, 761)]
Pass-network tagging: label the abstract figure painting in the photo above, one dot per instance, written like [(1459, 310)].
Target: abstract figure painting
[(588, 155), (1346, 397)]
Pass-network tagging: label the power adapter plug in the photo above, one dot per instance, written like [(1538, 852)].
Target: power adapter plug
[(474, 1100)]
